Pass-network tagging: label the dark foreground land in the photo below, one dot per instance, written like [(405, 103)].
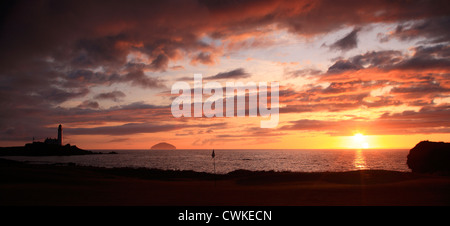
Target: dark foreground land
[(29, 184)]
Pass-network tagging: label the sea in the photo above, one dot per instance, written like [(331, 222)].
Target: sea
[(228, 160)]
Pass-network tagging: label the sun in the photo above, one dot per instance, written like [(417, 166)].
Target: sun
[(359, 140), (365, 145), (358, 137)]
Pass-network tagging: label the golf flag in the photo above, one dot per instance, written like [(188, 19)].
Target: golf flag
[(213, 155)]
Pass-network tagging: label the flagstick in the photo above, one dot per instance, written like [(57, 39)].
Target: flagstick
[(213, 155)]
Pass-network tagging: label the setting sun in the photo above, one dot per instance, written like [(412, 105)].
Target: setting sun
[(360, 141), (359, 137)]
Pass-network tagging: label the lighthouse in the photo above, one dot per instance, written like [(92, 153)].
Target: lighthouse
[(60, 138)]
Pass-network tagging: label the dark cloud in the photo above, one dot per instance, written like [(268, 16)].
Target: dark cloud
[(89, 78), (139, 106), (57, 95), (436, 57), (436, 51), (386, 59), (307, 124), (100, 51), (378, 59), (421, 88), (346, 87), (204, 58), (85, 78), (133, 112), (126, 129), (89, 104), (303, 73), (118, 140), (233, 74), (343, 65), (114, 96), (430, 30), (160, 62), (138, 78), (427, 58), (420, 93), (350, 41)]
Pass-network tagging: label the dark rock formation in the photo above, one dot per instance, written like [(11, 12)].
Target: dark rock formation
[(163, 146), (429, 157)]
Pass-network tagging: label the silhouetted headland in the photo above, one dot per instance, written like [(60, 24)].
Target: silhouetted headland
[(163, 146), (429, 157), (49, 147), (43, 149)]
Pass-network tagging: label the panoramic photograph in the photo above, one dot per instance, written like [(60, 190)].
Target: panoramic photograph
[(225, 103)]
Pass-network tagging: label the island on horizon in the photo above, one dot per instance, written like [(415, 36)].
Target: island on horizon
[(163, 146)]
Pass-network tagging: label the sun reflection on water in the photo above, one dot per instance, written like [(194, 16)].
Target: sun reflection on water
[(359, 162)]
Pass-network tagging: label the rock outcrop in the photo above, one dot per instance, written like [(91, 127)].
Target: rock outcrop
[(429, 157)]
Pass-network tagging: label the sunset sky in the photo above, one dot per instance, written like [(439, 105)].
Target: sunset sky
[(352, 74)]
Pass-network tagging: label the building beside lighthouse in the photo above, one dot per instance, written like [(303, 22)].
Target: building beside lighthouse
[(58, 141)]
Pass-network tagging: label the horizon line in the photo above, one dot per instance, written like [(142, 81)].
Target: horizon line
[(258, 149)]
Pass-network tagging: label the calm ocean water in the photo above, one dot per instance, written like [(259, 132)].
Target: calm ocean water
[(230, 160)]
